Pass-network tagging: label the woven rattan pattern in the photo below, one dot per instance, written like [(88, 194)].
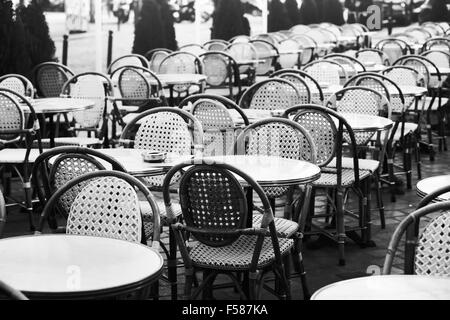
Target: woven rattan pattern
[(89, 87), (51, 80), (147, 215), (238, 255), (106, 207), (213, 199), (285, 228), (324, 72), (370, 56), (301, 85), (156, 60), (420, 67), (179, 63), (11, 117), (14, 84), (275, 95), (348, 178), (433, 251), (215, 69), (133, 85), (218, 125)]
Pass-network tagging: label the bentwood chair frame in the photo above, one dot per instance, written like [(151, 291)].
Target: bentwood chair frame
[(217, 238), (401, 45), (155, 57), (270, 94), (437, 41), (318, 120), (327, 71), (17, 83), (369, 55), (425, 254), (270, 56), (221, 45), (222, 72), (50, 77), (244, 51), (354, 64), (193, 48), (300, 84), (309, 46), (316, 92), (16, 130), (141, 62)]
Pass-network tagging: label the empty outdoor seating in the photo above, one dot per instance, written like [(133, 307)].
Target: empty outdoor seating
[(17, 83), (50, 77), (268, 53), (393, 48), (128, 60), (155, 57), (438, 43), (193, 48), (352, 66), (370, 56), (326, 72), (216, 45)]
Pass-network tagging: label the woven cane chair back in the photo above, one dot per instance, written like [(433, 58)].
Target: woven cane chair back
[(240, 39), (420, 34), (440, 58), (12, 117), (106, 207), (50, 77), (219, 68), (417, 65), (437, 44), (267, 52), (216, 45), (218, 125), (366, 56), (193, 48), (155, 57), (128, 60), (434, 28), (300, 84), (393, 48), (271, 94), (308, 45), (242, 51), (404, 76), (18, 84), (425, 67), (321, 35), (181, 63), (213, 199), (271, 38), (326, 71), (289, 60), (351, 65), (94, 87)]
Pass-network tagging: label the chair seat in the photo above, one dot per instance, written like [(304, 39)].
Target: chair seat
[(435, 105), (147, 215), (72, 141), (16, 156), (409, 127), (261, 78), (285, 228), (238, 255), (329, 179), (364, 164), (128, 109)]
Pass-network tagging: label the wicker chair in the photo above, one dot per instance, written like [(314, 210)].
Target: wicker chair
[(17, 83), (393, 48), (434, 28), (290, 53), (309, 47), (193, 48), (128, 60), (299, 29), (95, 87), (222, 74), (225, 244), (49, 78), (155, 57), (353, 65), (219, 125), (326, 71), (316, 92), (438, 43), (10, 293), (239, 39), (267, 52), (440, 58), (140, 90), (17, 132), (244, 51), (372, 55), (216, 45), (425, 253), (338, 177), (300, 84), (271, 94)]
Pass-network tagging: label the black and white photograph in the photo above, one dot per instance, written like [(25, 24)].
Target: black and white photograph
[(212, 157)]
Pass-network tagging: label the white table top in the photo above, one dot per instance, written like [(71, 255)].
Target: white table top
[(429, 185), (443, 71), (408, 90), (47, 263), (175, 78), (59, 105), (365, 122), (247, 62), (272, 171), (132, 161), (388, 287), (15, 156)]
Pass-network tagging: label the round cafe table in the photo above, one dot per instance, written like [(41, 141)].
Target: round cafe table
[(365, 122), (388, 287), (54, 106), (429, 185), (77, 267)]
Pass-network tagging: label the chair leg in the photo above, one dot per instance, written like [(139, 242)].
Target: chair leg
[(188, 284), (380, 201), (172, 264), (418, 158), (340, 227), (407, 162)]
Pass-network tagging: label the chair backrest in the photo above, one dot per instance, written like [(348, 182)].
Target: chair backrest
[(193, 48), (107, 206), (13, 124), (219, 127), (267, 52), (321, 35), (371, 82), (404, 76), (242, 51), (136, 84), (95, 87), (301, 85), (317, 96), (2, 213), (239, 39), (220, 185), (155, 57), (439, 57), (393, 48), (271, 94), (56, 167), (181, 63), (128, 60), (300, 29), (366, 56), (277, 137), (271, 38), (50, 77), (17, 83), (165, 129), (308, 45), (438, 43), (424, 66), (425, 253), (434, 28), (216, 45), (10, 293), (326, 71), (220, 69), (290, 53), (351, 65)]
